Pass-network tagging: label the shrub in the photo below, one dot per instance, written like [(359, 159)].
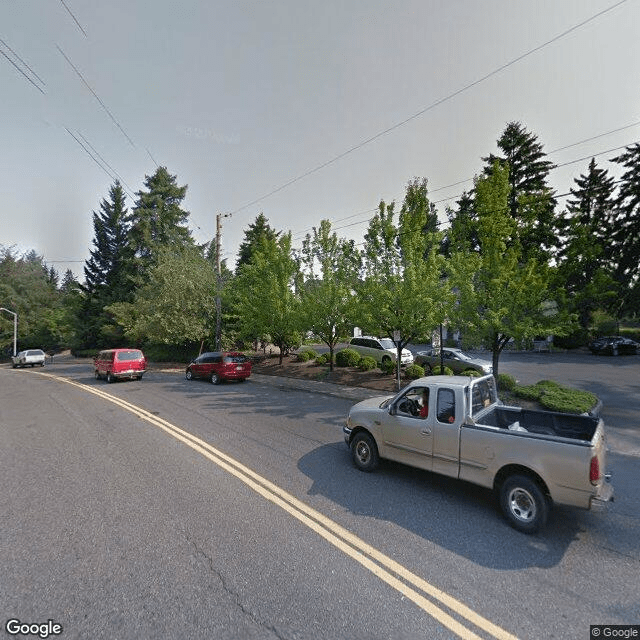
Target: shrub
[(506, 382), (472, 373), (442, 371), (574, 340), (528, 392), (555, 397), (568, 400), (305, 354), (367, 363), (324, 359), (347, 358), (388, 366), (414, 371)]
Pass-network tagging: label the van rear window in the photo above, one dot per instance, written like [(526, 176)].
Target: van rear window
[(238, 359), (128, 356)]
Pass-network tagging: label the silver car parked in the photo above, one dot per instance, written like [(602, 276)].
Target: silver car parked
[(30, 357), (456, 359)]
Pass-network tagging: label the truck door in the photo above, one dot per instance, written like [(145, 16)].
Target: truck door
[(408, 428), (446, 433)]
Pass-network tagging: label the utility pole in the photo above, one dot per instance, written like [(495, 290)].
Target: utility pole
[(218, 283)]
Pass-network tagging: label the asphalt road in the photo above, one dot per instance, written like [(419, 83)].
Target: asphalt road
[(115, 524)]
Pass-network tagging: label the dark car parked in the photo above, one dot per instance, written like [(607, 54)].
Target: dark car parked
[(614, 346), (216, 366)]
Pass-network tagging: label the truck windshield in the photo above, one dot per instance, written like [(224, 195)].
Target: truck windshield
[(483, 394)]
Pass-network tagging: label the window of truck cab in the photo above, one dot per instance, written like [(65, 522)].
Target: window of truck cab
[(446, 406)]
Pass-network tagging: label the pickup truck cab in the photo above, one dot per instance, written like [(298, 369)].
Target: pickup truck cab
[(456, 426)]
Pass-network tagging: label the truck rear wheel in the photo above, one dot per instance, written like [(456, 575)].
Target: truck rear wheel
[(524, 504), (364, 451)]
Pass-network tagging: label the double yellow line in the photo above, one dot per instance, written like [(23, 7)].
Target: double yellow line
[(430, 599)]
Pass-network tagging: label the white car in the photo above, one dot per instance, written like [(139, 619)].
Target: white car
[(30, 357), (380, 349)]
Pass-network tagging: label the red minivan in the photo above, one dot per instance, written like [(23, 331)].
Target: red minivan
[(114, 364), (220, 365)]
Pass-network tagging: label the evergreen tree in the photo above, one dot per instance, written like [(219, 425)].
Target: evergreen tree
[(531, 201), (463, 227), (584, 269), (106, 271), (108, 275), (157, 220), (626, 231), (26, 288), (69, 282), (253, 235)]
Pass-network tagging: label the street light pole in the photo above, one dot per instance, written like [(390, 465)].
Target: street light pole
[(15, 329)]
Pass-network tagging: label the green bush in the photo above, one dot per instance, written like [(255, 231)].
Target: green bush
[(442, 371), (324, 359), (555, 397), (472, 373), (414, 371), (367, 363), (568, 400), (306, 354), (388, 366), (528, 392), (577, 339), (347, 358), (506, 382)]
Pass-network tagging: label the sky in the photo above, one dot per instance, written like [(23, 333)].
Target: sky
[(300, 110)]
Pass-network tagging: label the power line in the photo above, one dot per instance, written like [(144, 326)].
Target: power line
[(127, 188), (19, 69), (40, 80), (433, 105), (74, 18), (95, 95)]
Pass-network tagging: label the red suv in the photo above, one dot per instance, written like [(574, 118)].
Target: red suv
[(217, 366), (114, 364)]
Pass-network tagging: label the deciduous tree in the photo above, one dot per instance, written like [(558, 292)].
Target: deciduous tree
[(332, 267)]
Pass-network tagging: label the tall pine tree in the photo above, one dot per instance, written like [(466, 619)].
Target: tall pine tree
[(531, 200), (108, 274), (626, 233), (584, 267), (253, 235), (158, 220)]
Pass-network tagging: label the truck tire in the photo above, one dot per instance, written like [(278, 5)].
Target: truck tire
[(364, 451), (524, 504)]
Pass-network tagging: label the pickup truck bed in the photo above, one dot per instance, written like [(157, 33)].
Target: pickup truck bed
[(575, 427)]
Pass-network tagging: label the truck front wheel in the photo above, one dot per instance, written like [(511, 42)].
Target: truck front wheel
[(524, 504), (364, 451)]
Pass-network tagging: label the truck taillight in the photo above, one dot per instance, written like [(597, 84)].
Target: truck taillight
[(594, 470)]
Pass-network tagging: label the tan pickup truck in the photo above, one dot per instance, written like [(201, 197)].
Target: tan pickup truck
[(456, 426)]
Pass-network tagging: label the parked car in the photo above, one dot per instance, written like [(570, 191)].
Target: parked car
[(116, 364), (614, 346), (30, 357), (380, 349), (456, 359), (217, 366)]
